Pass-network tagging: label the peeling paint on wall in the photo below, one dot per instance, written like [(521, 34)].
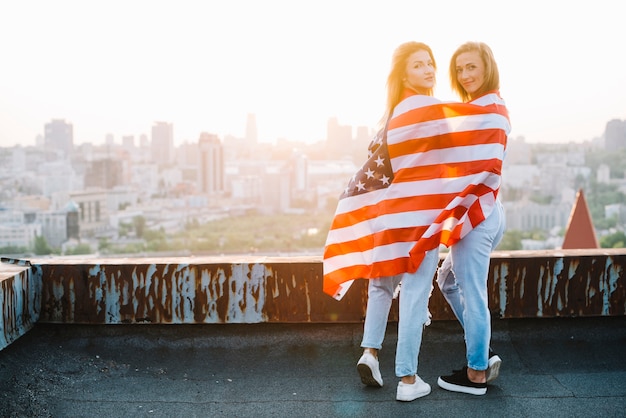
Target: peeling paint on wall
[(259, 289), (20, 291), (563, 285)]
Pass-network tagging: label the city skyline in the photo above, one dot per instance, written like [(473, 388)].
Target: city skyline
[(117, 67)]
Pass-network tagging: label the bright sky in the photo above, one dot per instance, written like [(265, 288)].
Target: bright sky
[(118, 66)]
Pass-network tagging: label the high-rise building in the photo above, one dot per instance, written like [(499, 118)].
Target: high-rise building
[(363, 135), (73, 229), (143, 141), (105, 173), (162, 143), (128, 141), (338, 137), (615, 135), (59, 135), (211, 164), (299, 171), (93, 215), (251, 131)]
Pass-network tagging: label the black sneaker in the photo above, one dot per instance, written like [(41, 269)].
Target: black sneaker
[(493, 370), (458, 382)]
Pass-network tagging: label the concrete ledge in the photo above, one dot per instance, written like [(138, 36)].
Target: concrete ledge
[(247, 289), (556, 283), (20, 299), (523, 284)]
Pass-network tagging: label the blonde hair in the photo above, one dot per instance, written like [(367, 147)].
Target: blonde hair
[(492, 75), (397, 74)]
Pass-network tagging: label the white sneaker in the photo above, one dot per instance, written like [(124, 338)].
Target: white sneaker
[(407, 392), (369, 371), (493, 369)]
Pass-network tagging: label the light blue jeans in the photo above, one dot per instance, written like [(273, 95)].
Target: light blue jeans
[(413, 312), (462, 279)]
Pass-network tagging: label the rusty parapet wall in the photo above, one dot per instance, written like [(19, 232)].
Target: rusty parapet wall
[(192, 290), (20, 292), (289, 289), (528, 284)]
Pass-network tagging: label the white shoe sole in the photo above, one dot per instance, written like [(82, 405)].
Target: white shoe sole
[(493, 369), (414, 396), (458, 388)]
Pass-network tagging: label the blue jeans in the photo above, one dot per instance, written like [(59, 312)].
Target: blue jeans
[(379, 296), (413, 312), (462, 279)]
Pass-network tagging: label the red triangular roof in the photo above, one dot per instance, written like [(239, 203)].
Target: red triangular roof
[(580, 232)]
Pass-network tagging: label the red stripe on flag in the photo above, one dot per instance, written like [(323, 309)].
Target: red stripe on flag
[(443, 141), (368, 242), (450, 170), (391, 206)]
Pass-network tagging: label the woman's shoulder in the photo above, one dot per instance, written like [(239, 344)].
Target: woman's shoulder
[(489, 97), (416, 101)]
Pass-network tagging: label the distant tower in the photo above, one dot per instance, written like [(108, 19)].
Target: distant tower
[(128, 141), (211, 164), (73, 214), (338, 137), (104, 173), (59, 135), (299, 171), (332, 128), (251, 132), (162, 142), (615, 135), (363, 135)]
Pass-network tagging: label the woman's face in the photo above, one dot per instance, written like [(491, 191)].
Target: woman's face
[(420, 72), (470, 72)]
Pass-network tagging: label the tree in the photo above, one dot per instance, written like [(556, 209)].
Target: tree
[(12, 249), (104, 245), (41, 246), (615, 240), (80, 249), (511, 241), (139, 223)]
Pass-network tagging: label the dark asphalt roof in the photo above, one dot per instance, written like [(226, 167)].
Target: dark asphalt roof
[(559, 367)]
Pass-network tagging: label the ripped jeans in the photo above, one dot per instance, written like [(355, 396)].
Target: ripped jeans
[(413, 312), (462, 279)]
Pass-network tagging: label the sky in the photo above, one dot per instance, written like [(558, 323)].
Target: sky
[(116, 67)]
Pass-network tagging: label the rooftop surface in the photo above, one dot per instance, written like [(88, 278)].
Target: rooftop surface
[(558, 367)]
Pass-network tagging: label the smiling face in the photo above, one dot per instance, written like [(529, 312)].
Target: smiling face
[(420, 72), (470, 72)]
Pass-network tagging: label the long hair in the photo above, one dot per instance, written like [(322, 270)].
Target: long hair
[(492, 75), (397, 75)]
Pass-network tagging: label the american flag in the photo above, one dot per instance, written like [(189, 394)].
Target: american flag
[(432, 178), (376, 173)]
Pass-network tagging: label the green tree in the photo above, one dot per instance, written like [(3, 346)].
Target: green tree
[(511, 241), (615, 240), (104, 245), (600, 195), (41, 246), (79, 249), (12, 249), (615, 159), (139, 222)]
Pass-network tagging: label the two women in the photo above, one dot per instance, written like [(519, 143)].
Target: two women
[(433, 175)]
